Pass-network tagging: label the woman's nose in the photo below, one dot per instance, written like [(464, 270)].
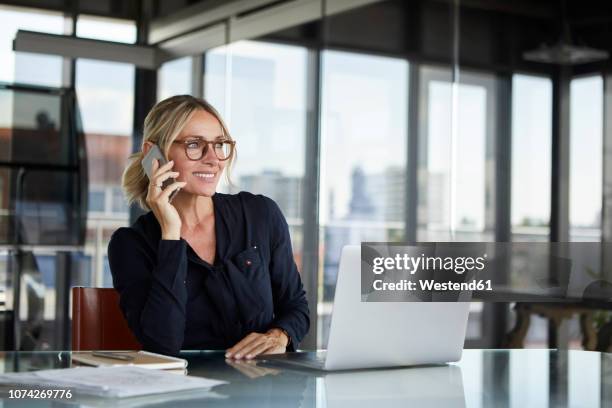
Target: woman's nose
[(209, 155)]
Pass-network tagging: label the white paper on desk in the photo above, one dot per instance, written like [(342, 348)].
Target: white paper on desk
[(127, 381), (198, 397)]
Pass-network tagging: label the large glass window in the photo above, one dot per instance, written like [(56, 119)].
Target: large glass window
[(362, 189), (531, 157), (29, 68), (586, 153), (456, 156), (107, 29), (260, 90), (456, 162), (174, 78), (106, 100)]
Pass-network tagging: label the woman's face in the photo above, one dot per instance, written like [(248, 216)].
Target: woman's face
[(197, 173)]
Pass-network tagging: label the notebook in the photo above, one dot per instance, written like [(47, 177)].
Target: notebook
[(144, 359)]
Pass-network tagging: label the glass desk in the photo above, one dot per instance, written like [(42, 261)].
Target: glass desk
[(483, 378)]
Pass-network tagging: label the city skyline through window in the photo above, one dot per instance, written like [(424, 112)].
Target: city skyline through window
[(363, 159)]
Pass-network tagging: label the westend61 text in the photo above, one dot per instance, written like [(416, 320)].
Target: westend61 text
[(431, 285)]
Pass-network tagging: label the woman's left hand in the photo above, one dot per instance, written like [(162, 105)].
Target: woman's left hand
[(274, 341)]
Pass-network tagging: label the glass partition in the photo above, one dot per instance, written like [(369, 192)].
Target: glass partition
[(43, 213)]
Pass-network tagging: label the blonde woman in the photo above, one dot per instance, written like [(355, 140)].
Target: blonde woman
[(204, 270)]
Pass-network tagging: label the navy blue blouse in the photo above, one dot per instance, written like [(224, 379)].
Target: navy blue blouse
[(172, 299)]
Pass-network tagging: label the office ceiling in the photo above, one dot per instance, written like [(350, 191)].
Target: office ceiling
[(581, 12), (494, 33)]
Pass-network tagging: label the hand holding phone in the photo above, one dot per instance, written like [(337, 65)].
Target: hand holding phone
[(162, 187), (147, 164)]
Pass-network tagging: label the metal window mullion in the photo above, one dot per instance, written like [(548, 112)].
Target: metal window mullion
[(310, 197), (69, 64), (503, 159), (145, 94), (559, 211), (606, 219), (412, 153), (197, 75), (495, 315), (560, 174)]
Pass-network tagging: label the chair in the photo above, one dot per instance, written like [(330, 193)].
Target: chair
[(97, 321)]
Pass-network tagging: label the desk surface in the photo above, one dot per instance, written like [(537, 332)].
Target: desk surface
[(483, 378)]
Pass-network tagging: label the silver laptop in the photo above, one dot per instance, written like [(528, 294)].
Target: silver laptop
[(382, 334)]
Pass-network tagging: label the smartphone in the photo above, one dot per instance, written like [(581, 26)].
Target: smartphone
[(147, 165)]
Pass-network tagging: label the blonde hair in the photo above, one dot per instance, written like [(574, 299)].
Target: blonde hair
[(162, 125)]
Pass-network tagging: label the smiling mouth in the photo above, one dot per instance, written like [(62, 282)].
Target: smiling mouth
[(205, 175)]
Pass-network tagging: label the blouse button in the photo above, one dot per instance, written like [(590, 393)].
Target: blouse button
[(248, 262)]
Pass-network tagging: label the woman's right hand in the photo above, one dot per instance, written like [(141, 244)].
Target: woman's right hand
[(158, 200)]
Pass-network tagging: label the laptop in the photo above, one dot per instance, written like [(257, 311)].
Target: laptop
[(382, 334)]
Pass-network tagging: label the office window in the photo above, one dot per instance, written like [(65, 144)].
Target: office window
[(105, 97), (174, 78), (29, 68), (107, 280), (96, 200), (586, 154), (118, 201), (106, 100), (456, 163), (362, 189), (107, 29), (261, 95), (531, 157)]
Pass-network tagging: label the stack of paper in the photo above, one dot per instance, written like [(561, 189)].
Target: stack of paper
[(126, 381)]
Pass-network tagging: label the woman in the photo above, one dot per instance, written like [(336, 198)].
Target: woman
[(203, 270)]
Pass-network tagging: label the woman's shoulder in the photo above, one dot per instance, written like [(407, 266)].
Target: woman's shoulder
[(143, 232)]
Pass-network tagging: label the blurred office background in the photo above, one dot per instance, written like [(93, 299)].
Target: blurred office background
[(366, 120)]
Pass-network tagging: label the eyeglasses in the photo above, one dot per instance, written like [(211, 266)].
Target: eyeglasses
[(196, 148)]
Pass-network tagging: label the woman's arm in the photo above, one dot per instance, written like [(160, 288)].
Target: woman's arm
[(152, 291), (290, 305)]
